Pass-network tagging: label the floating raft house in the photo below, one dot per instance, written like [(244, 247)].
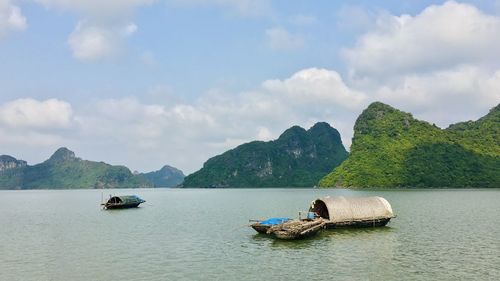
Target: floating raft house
[(123, 202), (353, 211)]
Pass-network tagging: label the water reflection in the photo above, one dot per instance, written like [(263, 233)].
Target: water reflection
[(358, 232)]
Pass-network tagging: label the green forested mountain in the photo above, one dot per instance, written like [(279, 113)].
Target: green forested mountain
[(165, 177), (392, 149), (65, 170), (298, 158)]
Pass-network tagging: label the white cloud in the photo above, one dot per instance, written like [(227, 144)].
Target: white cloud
[(441, 64), (441, 36), (11, 18), (30, 113), (28, 140), (103, 28), (280, 39), (319, 87), (94, 42), (151, 134), (264, 134), (91, 42), (446, 96)]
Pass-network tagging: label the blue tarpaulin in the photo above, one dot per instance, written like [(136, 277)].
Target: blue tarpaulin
[(274, 221)]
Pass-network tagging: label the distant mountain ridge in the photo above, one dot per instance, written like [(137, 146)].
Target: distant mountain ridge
[(63, 170), (167, 176), (298, 158), (390, 148)]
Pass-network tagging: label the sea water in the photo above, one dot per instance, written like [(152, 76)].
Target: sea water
[(203, 234)]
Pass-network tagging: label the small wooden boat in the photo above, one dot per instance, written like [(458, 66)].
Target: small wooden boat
[(264, 225), (297, 229), (123, 202)]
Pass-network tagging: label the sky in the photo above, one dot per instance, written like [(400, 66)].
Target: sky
[(144, 83)]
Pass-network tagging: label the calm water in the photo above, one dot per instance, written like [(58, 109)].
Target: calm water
[(201, 235)]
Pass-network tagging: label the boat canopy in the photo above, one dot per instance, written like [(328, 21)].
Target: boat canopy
[(126, 199), (340, 209)]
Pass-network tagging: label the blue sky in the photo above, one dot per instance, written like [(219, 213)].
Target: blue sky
[(146, 83)]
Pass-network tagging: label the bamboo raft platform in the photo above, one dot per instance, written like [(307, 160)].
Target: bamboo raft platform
[(296, 229)]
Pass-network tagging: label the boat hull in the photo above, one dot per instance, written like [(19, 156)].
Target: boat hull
[(357, 224), (260, 228), (286, 235), (121, 206)]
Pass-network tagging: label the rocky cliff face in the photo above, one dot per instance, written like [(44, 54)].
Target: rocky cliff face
[(9, 162)]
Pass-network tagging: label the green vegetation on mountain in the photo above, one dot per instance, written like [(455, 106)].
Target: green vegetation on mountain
[(165, 177), (64, 170), (392, 149), (11, 171), (298, 158)]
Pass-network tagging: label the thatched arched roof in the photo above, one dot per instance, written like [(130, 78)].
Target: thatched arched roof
[(341, 209)]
